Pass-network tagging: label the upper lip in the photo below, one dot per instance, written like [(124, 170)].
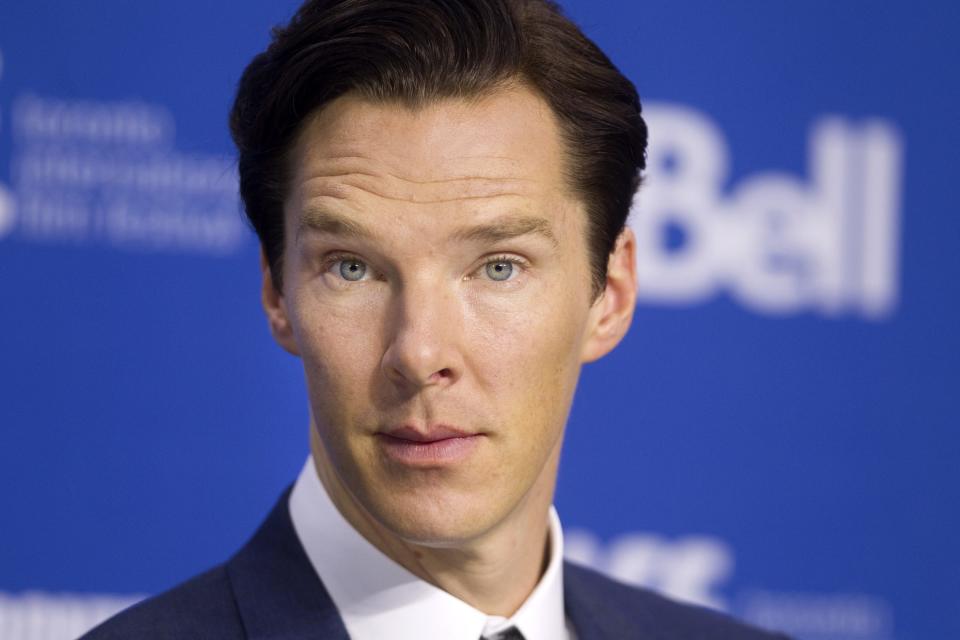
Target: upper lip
[(431, 433)]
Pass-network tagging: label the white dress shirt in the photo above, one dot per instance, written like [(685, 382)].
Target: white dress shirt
[(377, 598)]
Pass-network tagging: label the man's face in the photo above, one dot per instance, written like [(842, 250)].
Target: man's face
[(437, 287)]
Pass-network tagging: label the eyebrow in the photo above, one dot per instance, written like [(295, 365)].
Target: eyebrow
[(512, 227), (323, 221)]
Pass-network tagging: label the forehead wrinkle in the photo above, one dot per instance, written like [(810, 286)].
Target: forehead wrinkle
[(353, 163), (339, 187), (383, 176), (463, 178), (348, 159)]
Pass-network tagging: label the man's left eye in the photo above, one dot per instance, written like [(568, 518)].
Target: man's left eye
[(500, 270)]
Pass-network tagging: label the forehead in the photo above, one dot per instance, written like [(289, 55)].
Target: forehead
[(505, 143)]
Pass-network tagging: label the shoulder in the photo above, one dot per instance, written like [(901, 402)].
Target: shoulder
[(203, 607), (641, 613)]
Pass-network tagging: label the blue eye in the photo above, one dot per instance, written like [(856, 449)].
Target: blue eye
[(352, 270), (500, 270)]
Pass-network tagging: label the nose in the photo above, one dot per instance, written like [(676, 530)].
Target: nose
[(423, 339)]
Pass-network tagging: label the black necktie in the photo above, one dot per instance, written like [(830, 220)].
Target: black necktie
[(507, 634)]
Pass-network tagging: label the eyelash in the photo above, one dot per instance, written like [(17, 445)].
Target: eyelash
[(335, 258)]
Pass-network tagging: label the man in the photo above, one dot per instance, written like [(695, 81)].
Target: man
[(440, 189)]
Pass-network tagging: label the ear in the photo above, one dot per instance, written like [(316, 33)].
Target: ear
[(275, 306), (612, 312)]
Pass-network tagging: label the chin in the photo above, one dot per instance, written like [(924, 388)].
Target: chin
[(436, 521)]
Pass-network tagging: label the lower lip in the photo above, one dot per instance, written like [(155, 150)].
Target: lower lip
[(439, 452)]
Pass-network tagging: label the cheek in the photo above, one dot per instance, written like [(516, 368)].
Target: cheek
[(339, 347), (529, 352)]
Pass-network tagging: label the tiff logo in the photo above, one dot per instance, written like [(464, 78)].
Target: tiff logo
[(692, 568), (775, 243)]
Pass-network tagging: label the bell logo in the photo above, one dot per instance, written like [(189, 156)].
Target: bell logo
[(6, 212), (6, 198), (776, 243)]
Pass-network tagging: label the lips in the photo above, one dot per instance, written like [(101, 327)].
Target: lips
[(432, 433), (431, 446)]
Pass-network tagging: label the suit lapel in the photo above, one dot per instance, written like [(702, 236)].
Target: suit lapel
[(278, 594), (594, 616)]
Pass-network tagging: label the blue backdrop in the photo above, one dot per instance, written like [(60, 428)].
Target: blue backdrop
[(783, 415)]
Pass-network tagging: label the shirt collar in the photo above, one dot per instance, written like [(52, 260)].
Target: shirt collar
[(378, 598)]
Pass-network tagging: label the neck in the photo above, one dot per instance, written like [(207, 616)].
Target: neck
[(494, 572)]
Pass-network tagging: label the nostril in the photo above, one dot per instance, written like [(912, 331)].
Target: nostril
[(442, 373)]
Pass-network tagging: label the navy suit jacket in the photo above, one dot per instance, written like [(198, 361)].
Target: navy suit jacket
[(269, 589)]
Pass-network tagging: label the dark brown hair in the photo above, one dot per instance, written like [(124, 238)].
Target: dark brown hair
[(415, 51)]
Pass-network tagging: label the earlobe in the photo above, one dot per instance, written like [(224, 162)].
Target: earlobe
[(612, 312), (275, 306)]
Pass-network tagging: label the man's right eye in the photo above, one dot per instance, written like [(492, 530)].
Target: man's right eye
[(351, 269), (347, 267)]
